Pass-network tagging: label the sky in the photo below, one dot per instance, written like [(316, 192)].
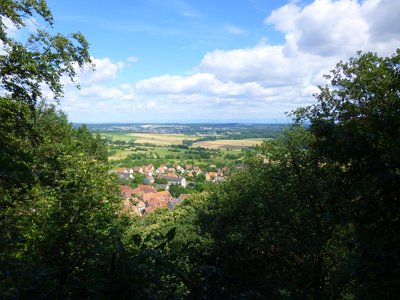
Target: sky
[(213, 60)]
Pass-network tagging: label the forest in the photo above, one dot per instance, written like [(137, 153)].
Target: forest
[(313, 214)]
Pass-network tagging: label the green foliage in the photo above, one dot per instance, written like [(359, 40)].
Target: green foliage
[(356, 125), (176, 190), (57, 202), (160, 180)]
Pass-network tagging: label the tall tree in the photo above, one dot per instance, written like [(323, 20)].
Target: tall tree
[(57, 201), (356, 125)]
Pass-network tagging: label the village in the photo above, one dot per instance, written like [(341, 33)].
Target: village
[(154, 192)]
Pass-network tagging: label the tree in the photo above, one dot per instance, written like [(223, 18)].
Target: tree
[(40, 60), (273, 225), (58, 203), (25, 66), (356, 125)]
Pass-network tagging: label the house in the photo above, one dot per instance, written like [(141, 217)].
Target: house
[(140, 208), (162, 186), (170, 175), (197, 170), (174, 179), (125, 176), (158, 199), (122, 170), (138, 169), (149, 209), (189, 167), (126, 191), (148, 180), (211, 176), (144, 189), (174, 202), (149, 173), (171, 170), (160, 196), (160, 170)]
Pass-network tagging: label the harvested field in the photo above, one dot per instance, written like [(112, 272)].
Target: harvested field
[(160, 139), (229, 144)]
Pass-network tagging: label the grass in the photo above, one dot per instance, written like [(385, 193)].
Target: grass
[(121, 154), (117, 136)]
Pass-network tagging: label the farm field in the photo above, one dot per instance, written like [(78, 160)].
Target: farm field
[(117, 136), (228, 144), (151, 138), (160, 139)]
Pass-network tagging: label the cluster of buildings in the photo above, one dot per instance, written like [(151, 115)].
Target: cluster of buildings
[(173, 175), (148, 196), (145, 198)]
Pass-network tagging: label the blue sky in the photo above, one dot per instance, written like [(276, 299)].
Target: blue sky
[(214, 60)]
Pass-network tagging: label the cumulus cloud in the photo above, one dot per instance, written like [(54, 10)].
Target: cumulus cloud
[(338, 28), (96, 89), (200, 83), (264, 63), (262, 81)]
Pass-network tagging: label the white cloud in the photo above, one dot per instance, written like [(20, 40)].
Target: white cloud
[(338, 28), (265, 64), (105, 70), (201, 84), (284, 17), (383, 17), (97, 91), (262, 81)]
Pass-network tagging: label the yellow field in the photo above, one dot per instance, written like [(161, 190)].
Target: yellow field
[(160, 139), (229, 144)]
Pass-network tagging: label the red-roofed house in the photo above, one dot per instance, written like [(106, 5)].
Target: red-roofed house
[(144, 189), (126, 191)]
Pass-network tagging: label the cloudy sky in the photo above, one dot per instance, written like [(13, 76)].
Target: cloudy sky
[(215, 60)]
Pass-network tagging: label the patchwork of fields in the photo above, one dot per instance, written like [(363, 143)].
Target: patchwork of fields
[(155, 147)]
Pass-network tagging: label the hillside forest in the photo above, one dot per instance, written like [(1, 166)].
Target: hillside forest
[(313, 213)]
